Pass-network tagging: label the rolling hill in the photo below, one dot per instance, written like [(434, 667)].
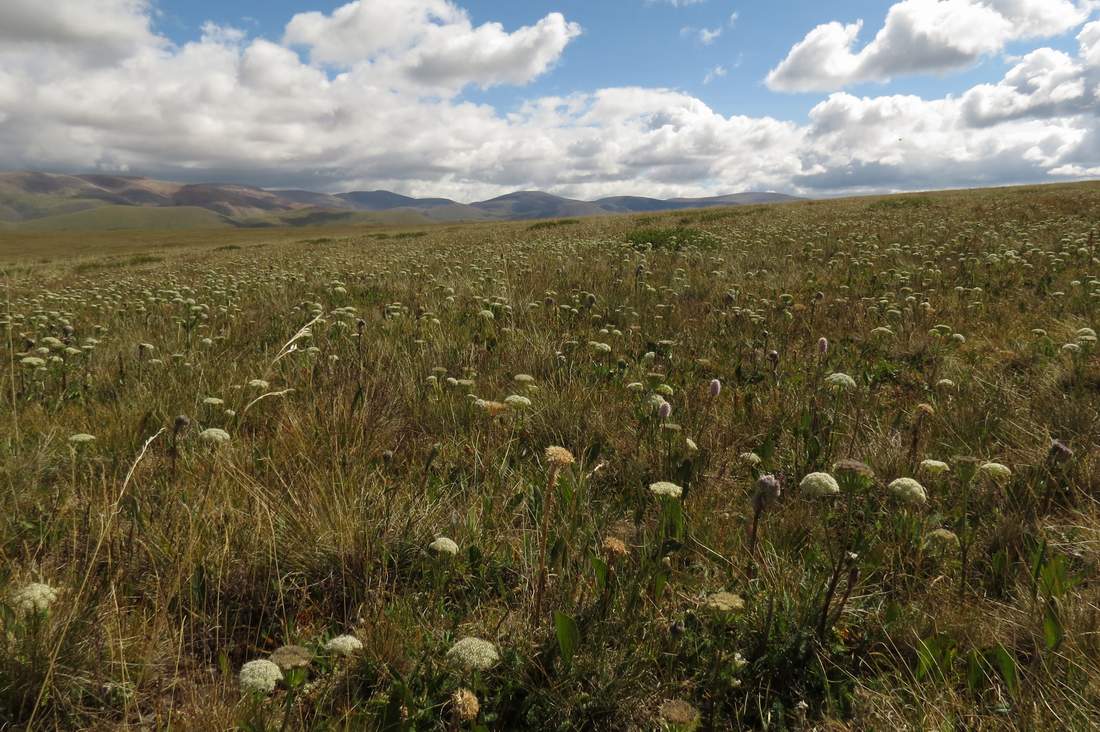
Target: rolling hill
[(46, 201)]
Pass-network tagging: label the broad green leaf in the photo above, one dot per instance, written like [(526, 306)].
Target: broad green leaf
[(1053, 633), (569, 636), (1006, 667)]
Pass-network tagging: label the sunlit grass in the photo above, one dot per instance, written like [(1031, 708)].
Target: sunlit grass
[(829, 463)]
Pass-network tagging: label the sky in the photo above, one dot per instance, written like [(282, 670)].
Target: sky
[(584, 98)]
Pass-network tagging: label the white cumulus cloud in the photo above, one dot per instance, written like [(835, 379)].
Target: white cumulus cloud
[(430, 42), (367, 108), (920, 36)]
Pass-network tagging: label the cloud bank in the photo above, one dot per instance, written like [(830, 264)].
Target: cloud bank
[(370, 95)]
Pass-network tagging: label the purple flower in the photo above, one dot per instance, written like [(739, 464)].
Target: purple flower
[(768, 490)]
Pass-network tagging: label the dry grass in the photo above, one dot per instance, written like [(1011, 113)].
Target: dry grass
[(177, 559)]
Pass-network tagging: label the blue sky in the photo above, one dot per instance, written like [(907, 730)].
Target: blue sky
[(473, 98), (633, 42)]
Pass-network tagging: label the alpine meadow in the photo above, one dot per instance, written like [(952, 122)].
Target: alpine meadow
[(550, 366), (813, 465)]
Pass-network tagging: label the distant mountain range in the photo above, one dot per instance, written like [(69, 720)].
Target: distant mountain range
[(30, 200)]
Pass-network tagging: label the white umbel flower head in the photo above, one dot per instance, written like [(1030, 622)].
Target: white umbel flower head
[(443, 545), (819, 485), (664, 488), (474, 654), (996, 471), (941, 541), (840, 382), (934, 467), (214, 435), (260, 676), (725, 602), (908, 491), (81, 438), (517, 401), (35, 597), (344, 645)]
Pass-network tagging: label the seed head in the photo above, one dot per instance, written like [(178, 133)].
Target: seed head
[(679, 715), (465, 705), (559, 456), (288, 657), (614, 547)]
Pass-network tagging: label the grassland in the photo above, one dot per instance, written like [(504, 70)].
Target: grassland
[(823, 465)]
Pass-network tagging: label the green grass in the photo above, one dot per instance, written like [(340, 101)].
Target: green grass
[(129, 217), (386, 416)]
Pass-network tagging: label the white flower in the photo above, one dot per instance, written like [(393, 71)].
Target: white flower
[(819, 485), (515, 401), (32, 362), (443, 545), (213, 402), (840, 381), (258, 384), (725, 602), (750, 458), (908, 491), (344, 645), (664, 488), (996, 471), (474, 653), (934, 467), (941, 540), (34, 598), (81, 438), (260, 676), (599, 347), (214, 435)]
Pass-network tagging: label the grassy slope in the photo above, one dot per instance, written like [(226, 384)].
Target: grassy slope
[(316, 517), (129, 217)]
